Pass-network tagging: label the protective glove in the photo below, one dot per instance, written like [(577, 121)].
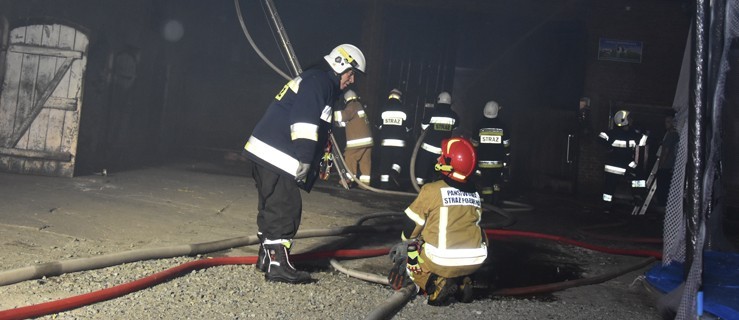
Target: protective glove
[(398, 251), (302, 172), (414, 261), (398, 276)]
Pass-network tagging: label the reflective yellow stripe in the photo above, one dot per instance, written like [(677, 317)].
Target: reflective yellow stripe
[(415, 217), (304, 130), (442, 120), (484, 164), (393, 114), (359, 142), (346, 55), (293, 85), (614, 169), (459, 175), (443, 223), (277, 158), (643, 141), (456, 257), (620, 143), (393, 143), (430, 148)]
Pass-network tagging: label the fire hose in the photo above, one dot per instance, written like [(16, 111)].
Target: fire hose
[(17, 275)]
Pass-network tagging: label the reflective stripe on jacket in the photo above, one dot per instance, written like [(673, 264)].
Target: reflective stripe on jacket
[(295, 125), (358, 133), (447, 219)]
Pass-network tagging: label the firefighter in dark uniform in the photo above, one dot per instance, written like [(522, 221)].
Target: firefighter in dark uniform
[(493, 151), (438, 125), (446, 244), (620, 164), (285, 148), (358, 151), (394, 131)]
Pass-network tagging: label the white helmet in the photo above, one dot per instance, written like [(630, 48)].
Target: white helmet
[(491, 109), (395, 94), (346, 56), (621, 118), (444, 97), (350, 95)]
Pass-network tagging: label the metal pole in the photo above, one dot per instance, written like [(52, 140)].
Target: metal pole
[(292, 58)]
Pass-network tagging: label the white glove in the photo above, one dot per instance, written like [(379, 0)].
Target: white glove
[(302, 172)]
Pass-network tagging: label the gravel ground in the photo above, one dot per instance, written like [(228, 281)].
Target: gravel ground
[(240, 292), (47, 219)]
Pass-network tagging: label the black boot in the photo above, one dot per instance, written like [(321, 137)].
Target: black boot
[(465, 292), (279, 267), (262, 256), (439, 290)]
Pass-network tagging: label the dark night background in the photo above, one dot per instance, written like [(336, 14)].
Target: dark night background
[(149, 101)]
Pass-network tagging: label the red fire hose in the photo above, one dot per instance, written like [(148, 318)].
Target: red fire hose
[(157, 278), (46, 308)]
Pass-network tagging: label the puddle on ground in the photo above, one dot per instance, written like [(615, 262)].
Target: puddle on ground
[(514, 264)]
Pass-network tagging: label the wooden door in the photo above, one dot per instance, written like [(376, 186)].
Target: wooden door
[(41, 100)]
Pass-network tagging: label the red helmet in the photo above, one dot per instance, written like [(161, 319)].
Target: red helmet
[(458, 159)]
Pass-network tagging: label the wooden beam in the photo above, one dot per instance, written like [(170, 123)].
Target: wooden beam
[(45, 51), (34, 154)]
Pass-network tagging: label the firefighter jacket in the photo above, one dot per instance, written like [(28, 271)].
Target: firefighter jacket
[(447, 220), (353, 117), (493, 139), (622, 143), (395, 125), (438, 124), (295, 127)]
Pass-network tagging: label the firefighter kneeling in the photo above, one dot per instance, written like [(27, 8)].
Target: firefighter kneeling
[(446, 244)]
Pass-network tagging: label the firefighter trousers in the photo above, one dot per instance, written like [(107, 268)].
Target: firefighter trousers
[(280, 203), (359, 162)]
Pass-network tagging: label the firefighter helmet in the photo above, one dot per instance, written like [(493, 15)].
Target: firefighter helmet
[(491, 109), (458, 159), (350, 95), (621, 118), (346, 56), (395, 94), (444, 97)]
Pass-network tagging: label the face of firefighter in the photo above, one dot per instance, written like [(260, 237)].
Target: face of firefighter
[(347, 78)]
